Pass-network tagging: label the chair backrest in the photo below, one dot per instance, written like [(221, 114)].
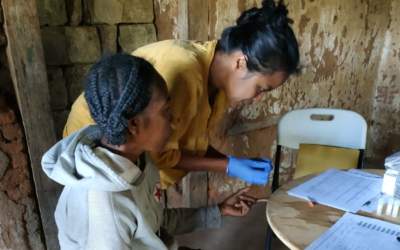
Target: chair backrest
[(331, 127)]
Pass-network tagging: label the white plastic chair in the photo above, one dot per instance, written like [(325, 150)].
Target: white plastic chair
[(330, 127)]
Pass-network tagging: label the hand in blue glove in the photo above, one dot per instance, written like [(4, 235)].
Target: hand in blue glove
[(254, 171)]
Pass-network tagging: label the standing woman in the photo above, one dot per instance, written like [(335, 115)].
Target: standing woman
[(256, 55)]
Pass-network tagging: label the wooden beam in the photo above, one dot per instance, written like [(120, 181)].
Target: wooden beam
[(193, 25), (28, 72), (198, 20), (166, 13), (171, 19), (183, 20)]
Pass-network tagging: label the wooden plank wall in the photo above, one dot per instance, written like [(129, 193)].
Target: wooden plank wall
[(28, 72), (197, 19)]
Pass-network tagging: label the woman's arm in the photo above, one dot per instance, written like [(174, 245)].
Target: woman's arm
[(213, 161), (254, 171), (198, 163), (186, 220)]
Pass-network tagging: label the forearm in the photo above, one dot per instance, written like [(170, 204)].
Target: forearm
[(185, 220), (198, 163)]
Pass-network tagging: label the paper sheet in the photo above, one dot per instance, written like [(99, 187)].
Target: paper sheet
[(340, 189), (363, 173), (355, 232)]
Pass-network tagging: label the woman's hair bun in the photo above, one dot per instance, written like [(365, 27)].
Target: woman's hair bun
[(265, 36), (270, 14)]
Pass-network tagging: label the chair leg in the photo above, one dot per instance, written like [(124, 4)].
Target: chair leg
[(274, 186), (268, 239), (360, 159), (275, 179)]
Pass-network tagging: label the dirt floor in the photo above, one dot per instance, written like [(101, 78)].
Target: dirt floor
[(247, 233)]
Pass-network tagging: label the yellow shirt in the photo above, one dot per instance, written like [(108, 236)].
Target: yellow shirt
[(184, 65)]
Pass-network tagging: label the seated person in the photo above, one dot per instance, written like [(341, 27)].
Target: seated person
[(111, 197)]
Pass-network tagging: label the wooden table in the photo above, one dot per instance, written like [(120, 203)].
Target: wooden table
[(292, 219)]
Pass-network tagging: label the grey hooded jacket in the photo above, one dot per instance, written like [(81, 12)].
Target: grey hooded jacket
[(109, 203)]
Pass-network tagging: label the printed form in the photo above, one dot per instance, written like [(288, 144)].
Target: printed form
[(355, 232), (343, 190)]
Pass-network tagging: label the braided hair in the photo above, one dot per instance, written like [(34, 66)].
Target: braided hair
[(117, 88), (264, 35)]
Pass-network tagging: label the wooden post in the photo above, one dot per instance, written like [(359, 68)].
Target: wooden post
[(198, 20), (28, 72), (195, 184), (185, 19)]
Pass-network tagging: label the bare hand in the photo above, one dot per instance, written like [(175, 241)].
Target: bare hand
[(238, 204)]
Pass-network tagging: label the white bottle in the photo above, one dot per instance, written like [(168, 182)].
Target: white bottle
[(391, 179), (391, 186)]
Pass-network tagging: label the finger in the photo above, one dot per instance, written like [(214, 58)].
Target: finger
[(262, 159), (267, 170), (247, 198), (234, 198), (243, 205), (261, 164), (255, 164), (254, 176), (259, 178), (249, 203), (242, 191), (236, 210), (230, 211), (266, 159), (245, 208)]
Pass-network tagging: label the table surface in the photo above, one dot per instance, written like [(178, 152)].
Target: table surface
[(292, 219)]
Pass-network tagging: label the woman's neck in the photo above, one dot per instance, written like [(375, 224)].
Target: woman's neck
[(216, 76), (217, 73), (128, 151)]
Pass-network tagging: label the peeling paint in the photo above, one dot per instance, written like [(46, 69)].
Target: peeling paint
[(245, 140), (304, 20), (385, 131), (166, 4)]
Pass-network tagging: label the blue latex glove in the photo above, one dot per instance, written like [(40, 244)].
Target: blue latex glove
[(254, 171)]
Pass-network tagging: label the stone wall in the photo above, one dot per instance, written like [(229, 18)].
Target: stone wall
[(19, 219), (77, 33)]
